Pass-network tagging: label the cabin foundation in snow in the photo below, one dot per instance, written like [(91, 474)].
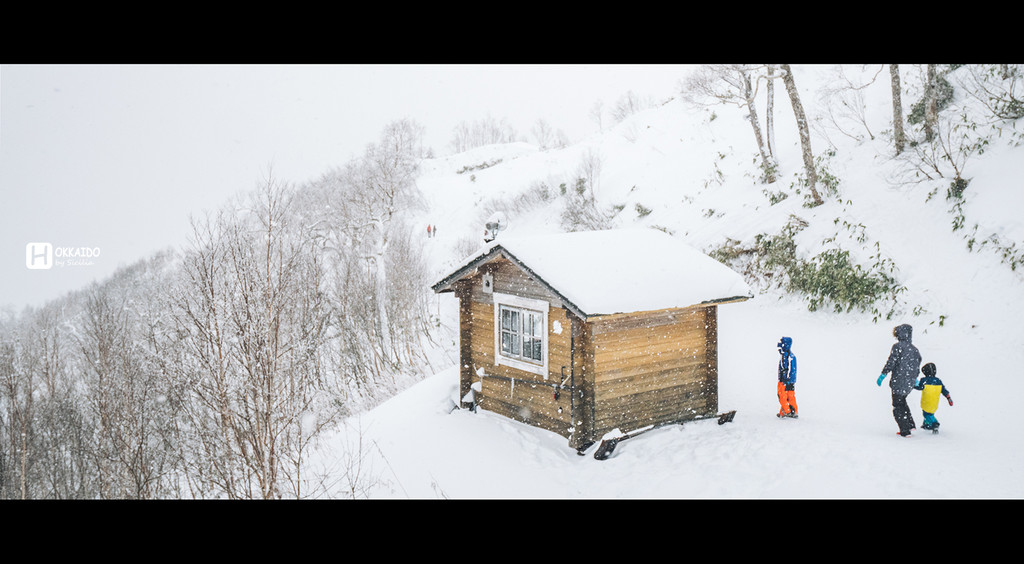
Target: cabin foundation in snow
[(586, 333)]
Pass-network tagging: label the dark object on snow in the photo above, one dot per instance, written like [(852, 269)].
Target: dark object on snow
[(605, 449), (607, 446)]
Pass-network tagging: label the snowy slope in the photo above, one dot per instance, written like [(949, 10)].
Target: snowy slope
[(698, 177)]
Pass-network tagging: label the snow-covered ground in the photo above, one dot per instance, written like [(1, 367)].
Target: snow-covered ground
[(697, 176), (843, 445)]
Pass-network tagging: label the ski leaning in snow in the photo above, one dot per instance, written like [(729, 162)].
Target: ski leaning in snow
[(608, 444)]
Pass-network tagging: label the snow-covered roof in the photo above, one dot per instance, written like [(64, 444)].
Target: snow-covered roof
[(614, 271)]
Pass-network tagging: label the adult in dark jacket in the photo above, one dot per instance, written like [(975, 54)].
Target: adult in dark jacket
[(904, 363)]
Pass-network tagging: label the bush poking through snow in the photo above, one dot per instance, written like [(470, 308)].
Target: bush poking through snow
[(829, 279)]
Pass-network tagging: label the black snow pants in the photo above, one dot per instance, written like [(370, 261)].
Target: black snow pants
[(901, 413)]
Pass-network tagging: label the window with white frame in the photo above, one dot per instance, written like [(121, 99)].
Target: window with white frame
[(520, 333)]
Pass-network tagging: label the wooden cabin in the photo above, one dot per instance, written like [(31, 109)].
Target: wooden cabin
[(586, 333)]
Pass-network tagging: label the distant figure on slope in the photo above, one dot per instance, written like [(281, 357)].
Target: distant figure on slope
[(787, 379), (931, 387), (428, 232), (904, 363)]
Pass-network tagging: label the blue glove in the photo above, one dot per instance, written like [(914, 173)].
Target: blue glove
[(880, 378)]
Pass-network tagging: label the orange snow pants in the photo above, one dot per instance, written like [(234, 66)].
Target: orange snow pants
[(787, 400)]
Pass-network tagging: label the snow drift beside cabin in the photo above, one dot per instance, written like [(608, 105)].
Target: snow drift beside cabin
[(622, 270)]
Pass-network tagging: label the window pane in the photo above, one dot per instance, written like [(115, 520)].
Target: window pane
[(521, 333)]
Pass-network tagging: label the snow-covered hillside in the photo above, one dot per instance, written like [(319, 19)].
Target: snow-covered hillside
[(692, 172)]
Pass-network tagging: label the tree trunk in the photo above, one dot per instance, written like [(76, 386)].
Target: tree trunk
[(748, 94), (770, 113), (931, 114), (805, 133), (897, 109)]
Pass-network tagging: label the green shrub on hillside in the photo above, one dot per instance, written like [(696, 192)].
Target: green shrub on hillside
[(830, 278)]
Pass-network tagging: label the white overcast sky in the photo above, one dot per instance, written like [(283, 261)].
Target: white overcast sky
[(117, 157)]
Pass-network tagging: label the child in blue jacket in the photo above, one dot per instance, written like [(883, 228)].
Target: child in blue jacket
[(787, 379), (931, 387)]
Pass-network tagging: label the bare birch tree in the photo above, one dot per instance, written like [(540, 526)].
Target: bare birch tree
[(899, 136), (589, 169), (91, 426), (596, 114), (376, 272), (17, 422), (843, 103), (998, 88), (805, 133), (733, 85), (256, 317), (486, 131), (120, 397), (627, 105), (60, 431), (769, 115), (542, 133), (931, 105), (43, 434)]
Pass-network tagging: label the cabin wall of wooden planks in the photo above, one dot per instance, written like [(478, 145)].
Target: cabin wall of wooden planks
[(654, 368)]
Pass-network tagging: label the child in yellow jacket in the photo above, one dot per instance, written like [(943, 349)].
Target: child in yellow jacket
[(931, 387)]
